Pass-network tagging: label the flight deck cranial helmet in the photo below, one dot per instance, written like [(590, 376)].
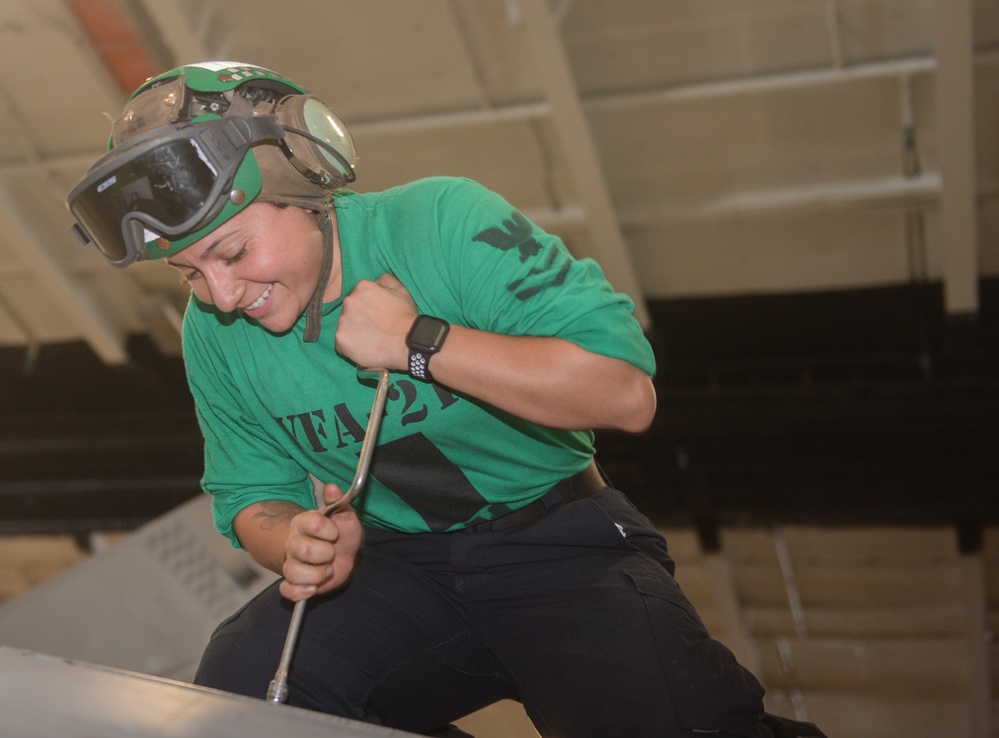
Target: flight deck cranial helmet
[(196, 145)]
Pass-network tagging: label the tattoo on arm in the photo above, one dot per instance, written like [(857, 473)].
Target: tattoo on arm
[(273, 513)]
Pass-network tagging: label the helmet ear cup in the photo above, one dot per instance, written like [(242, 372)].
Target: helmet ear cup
[(316, 143)]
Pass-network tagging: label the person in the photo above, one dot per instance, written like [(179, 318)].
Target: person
[(488, 557)]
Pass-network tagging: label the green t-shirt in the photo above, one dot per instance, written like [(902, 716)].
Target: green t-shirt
[(274, 409)]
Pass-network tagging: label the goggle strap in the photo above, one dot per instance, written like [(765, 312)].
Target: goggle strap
[(313, 314), (81, 234), (240, 107), (244, 132), (348, 174)]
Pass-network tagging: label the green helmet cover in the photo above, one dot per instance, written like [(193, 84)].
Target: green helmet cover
[(220, 76), (206, 78)]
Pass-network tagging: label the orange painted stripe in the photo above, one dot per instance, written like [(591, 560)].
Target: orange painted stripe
[(110, 30)]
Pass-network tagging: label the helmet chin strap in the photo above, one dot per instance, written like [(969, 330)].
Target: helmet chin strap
[(313, 313)]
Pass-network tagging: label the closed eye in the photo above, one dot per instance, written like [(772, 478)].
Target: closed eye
[(229, 261)]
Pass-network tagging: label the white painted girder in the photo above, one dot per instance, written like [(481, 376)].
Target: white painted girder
[(955, 91), (34, 254), (177, 30), (800, 79), (572, 128), (96, 327)]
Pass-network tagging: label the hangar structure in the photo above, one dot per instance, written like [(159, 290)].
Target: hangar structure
[(801, 197)]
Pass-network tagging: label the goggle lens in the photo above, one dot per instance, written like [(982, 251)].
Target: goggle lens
[(169, 185), (165, 186)]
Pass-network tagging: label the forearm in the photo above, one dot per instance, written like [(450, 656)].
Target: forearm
[(546, 380), (550, 381), (262, 530), (314, 552)]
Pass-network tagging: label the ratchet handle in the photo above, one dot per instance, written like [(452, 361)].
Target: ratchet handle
[(277, 692), (368, 445)]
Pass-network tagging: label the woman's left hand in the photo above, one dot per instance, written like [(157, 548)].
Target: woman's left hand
[(373, 325)]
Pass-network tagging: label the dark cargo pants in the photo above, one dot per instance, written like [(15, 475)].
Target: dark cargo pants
[(576, 615)]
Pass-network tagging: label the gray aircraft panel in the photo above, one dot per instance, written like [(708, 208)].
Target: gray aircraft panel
[(44, 696)]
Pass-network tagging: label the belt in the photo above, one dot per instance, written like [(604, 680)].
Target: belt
[(577, 487)]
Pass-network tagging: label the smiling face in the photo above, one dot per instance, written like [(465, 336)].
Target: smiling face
[(263, 262)]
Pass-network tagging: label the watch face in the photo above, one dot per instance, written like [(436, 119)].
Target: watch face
[(427, 333)]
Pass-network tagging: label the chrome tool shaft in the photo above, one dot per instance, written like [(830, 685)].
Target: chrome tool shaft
[(277, 692)]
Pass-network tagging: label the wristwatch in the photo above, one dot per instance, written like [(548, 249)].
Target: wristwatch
[(425, 339)]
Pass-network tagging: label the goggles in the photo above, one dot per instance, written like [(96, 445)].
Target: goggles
[(166, 185)]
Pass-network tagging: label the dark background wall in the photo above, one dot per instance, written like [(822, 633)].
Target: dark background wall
[(839, 408)]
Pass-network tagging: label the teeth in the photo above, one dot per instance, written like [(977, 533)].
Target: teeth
[(260, 300)]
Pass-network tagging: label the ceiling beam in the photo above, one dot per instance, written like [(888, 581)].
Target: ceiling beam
[(955, 113), (572, 128), (922, 190), (181, 39), (467, 49), (79, 305), (21, 328), (96, 327), (755, 84), (113, 38), (451, 119)]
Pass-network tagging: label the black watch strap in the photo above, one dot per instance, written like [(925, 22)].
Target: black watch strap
[(419, 365), (425, 339)]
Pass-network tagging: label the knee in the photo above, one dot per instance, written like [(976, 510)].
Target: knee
[(241, 663)]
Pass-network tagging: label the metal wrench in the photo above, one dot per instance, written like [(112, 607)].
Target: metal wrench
[(277, 692)]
